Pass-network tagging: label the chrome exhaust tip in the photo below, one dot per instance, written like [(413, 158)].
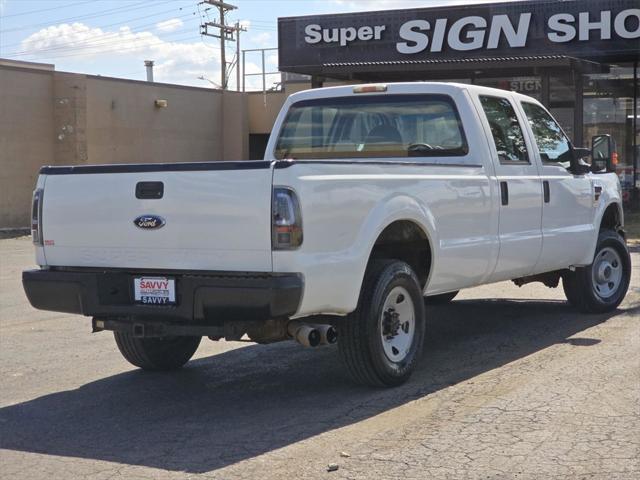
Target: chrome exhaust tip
[(305, 335), (328, 334)]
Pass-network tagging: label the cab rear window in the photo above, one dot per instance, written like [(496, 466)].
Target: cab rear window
[(375, 126)]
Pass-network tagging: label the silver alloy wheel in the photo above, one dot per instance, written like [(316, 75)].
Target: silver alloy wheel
[(607, 273), (397, 324)]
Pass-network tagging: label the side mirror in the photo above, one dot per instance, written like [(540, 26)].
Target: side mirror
[(578, 165), (603, 154)]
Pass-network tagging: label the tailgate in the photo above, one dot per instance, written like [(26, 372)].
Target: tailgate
[(216, 217)]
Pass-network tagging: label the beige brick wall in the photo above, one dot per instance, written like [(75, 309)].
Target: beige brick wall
[(125, 126), (26, 139), (56, 118)]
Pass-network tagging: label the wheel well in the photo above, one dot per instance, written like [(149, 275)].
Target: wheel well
[(611, 219), (404, 240)]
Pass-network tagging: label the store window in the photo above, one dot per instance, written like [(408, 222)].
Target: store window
[(562, 102), (531, 86), (608, 109)]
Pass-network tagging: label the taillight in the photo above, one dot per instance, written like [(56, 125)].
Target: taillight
[(36, 217), (286, 220)]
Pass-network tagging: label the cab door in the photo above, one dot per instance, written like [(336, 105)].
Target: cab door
[(519, 187), (569, 202)]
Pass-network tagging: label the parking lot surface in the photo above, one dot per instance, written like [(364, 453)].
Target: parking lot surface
[(514, 384)]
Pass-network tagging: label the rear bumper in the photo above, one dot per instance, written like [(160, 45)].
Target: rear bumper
[(201, 297)]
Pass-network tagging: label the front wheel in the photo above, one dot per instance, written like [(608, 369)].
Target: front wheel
[(381, 341), (601, 286), (161, 353)]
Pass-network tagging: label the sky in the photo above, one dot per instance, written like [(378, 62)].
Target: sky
[(114, 37)]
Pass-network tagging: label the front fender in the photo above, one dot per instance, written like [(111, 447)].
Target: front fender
[(611, 195)]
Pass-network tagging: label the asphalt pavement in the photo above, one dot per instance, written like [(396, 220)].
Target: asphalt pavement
[(513, 384)]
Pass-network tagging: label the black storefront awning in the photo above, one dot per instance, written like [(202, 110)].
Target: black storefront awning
[(432, 69), (403, 43)]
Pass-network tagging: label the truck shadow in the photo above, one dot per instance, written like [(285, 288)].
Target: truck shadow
[(242, 403)]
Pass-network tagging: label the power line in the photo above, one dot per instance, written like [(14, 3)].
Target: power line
[(117, 50), (130, 49), (48, 9), (114, 35), (145, 17), (105, 39), (125, 22), (264, 29), (110, 40), (261, 21), (85, 17), (113, 41)]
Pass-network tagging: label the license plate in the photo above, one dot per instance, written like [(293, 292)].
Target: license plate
[(154, 290)]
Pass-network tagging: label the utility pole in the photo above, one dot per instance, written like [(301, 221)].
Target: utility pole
[(224, 32), (239, 28)]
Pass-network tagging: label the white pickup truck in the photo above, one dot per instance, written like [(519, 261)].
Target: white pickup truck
[(371, 201)]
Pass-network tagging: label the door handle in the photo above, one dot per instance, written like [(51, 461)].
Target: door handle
[(504, 193), (547, 191)]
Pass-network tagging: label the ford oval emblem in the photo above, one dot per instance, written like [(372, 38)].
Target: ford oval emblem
[(149, 222)]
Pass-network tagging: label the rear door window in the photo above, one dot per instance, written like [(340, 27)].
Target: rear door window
[(505, 130), (372, 126)]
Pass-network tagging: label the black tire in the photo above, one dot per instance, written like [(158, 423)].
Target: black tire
[(441, 299), (582, 288), (360, 340), (570, 287), (157, 354)]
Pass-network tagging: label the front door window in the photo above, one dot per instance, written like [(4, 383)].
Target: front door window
[(553, 144)]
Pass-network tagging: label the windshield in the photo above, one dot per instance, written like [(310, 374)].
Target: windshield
[(372, 126)]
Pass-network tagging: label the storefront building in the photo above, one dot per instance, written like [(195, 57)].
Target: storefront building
[(579, 58)]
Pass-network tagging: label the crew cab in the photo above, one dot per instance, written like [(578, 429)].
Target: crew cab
[(371, 201)]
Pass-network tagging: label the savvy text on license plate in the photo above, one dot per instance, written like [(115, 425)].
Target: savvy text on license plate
[(154, 290)]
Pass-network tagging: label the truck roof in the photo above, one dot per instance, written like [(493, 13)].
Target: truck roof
[(405, 87)]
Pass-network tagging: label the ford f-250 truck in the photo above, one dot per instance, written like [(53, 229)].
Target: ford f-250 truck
[(370, 197)]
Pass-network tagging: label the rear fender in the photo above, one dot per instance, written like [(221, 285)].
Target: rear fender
[(333, 279), (389, 210)]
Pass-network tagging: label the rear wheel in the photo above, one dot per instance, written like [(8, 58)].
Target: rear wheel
[(441, 299), (601, 286), (162, 353), (380, 343)]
